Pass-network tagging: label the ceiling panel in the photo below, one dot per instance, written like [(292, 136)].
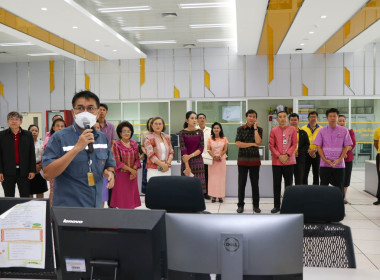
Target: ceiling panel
[(176, 28)]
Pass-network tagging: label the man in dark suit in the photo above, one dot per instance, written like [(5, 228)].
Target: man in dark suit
[(17, 157), (301, 150)]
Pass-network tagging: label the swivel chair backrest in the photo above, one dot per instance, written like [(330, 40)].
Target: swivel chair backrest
[(317, 203), (175, 194)]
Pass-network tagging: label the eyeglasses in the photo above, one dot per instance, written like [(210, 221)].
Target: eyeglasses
[(90, 109), (126, 132), (14, 119)]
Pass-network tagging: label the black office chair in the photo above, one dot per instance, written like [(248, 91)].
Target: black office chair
[(327, 243), (175, 194)]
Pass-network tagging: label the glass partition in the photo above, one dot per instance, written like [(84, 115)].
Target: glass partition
[(230, 114)]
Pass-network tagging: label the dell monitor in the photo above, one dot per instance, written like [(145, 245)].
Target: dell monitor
[(48, 272), (235, 247), (109, 244)]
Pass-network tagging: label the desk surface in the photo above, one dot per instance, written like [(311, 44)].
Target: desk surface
[(317, 273)]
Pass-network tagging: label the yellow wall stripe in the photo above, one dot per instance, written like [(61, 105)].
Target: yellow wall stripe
[(347, 78), (270, 68), (33, 30), (86, 82), (280, 16), (52, 86), (176, 92), (142, 71), (2, 89), (305, 90), (368, 15), (207, 80)]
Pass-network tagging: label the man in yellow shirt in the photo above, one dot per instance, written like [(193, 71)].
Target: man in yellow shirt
[(376, 138), (312, 157)]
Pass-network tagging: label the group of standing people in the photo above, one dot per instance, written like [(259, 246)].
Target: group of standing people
[(65, 158)]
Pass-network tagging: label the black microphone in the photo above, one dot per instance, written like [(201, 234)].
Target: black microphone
[(86, 124)]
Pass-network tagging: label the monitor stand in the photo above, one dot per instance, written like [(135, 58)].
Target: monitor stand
[(231, 256), (104, 269)]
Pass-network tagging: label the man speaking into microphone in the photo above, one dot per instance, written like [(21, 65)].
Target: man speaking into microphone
[(78, 157)]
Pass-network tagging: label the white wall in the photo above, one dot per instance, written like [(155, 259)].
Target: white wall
[(26, 85)]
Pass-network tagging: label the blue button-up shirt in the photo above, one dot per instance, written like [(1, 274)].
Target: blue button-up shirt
[(71, 186)]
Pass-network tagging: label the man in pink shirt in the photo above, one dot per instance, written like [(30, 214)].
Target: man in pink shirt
[(282, 143), (333, 142)]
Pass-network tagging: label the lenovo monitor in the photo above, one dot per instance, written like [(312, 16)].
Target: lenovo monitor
[(108, 244), (235, 247)]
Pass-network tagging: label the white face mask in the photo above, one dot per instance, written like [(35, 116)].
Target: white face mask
[(85, 118)]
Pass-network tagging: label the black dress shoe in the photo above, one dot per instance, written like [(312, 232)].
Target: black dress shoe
[(377, 202), (221, 200), (207, 196), (256, 210), (213, 200), (275, 210), (240, 209)]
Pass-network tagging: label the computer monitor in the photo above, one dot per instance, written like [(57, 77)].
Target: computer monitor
[(108, 244), (48, 272), (234, 246)]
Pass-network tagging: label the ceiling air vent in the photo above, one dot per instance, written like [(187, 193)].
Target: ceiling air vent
[(188, 45), (169, 15)]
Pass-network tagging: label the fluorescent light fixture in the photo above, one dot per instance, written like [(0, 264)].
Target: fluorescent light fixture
[(124, 9), (214, 40), (16, 44), (204, 5), (221, 25), (42, 54), (140, 28), (157, 42)]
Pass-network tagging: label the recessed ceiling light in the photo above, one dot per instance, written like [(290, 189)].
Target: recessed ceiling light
[(157, 42), (114, 50), (97, 40), (214, 40), (302, 44), (75, 27), (42, 54), (221, 25), (204, 5), (43, 9), (138, 28), (311, 32), (124, 9), (323, 16), (16, 44)]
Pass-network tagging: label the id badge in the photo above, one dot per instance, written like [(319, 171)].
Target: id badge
[(90, 178)]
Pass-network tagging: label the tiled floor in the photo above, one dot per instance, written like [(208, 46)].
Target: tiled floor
[(361, 216)]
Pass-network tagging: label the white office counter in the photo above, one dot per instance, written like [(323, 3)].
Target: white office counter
[(265, 180), (370, 181)]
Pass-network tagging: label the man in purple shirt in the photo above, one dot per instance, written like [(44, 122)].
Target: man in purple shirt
[(109, 130), (106, 127), (333, 142)]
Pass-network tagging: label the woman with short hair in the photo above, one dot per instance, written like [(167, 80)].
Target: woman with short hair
[(125, 193), (158, 149)]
